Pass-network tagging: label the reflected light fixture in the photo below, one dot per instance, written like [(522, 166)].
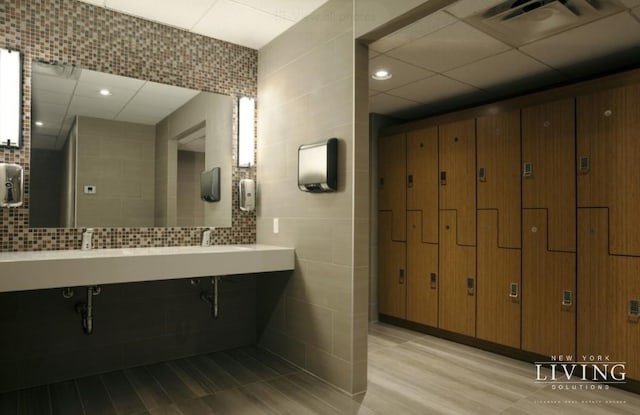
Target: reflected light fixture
[(105, 92), (10, 105), (39, 123), (246, 131), (381, 75)]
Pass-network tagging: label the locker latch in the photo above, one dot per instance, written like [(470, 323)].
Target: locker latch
[(410, 180), (567, 298), (470, 286), (482, 174), (381, 183), (401, 277), (433, 279), (514, 290), (443, 178), (584, 165), (634, 308), (527, 170)]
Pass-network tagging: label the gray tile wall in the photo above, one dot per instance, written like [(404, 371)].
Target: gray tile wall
[(316, 316)]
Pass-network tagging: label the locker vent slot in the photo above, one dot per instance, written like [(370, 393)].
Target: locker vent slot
[(410, 180), (443, 178), (433, 280), (470, 285), (401, 277), (513, 290), (527, 170), (482, 174)]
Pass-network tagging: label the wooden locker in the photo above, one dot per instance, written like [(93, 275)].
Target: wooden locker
[(422, 273), (608, 153), (457, 149), (498, 312), (391, 270), (498, 149), (606, 284), (392, 187), (548, 325), (457, 301), (548, 153), (422, 179)]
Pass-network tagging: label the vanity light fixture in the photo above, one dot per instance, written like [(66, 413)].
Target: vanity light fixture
[(10, 99), (381, 75), (105, 92), (246, 131)]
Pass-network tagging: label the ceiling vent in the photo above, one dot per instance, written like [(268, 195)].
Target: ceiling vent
[(522, 21)]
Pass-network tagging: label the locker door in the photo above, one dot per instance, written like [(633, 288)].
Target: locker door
[(548, 318), (422, 273), (457, 147), (391, 270), (422, 179), (392, 196), (608, 157), (498, 310), (457, 303), (606, 284), (499, 228), (548, 155)]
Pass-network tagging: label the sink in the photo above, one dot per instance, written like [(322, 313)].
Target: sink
[(53, 269)]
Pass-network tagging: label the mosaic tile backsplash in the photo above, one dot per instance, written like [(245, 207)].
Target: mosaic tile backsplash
[(72, 32)]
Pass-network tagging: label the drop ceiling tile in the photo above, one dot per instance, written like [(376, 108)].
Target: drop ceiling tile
[(600, 38), (402, 73), (466, 8), (293, 10), (630, 3), (448, 48), (252, 30), (388, 104), (44, 142), (164, 92), (53, 84), (373, 92), (90, 106), (109, 80), (505, 68), (184, 14), (433, 89), (414, 31)]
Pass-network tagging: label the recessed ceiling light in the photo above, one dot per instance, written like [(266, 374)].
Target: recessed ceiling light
[(381, 75), (39, 123), (105, 92)]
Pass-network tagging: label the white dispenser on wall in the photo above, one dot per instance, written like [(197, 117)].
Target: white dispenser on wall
[(11, 185), (247, 193)]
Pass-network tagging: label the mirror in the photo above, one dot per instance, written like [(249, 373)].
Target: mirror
[(112, 151)]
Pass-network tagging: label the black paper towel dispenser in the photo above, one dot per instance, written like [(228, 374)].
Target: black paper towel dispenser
[(318, 166), (210, 185)]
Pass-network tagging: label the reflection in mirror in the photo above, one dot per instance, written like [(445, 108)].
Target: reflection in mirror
[(112, 151)]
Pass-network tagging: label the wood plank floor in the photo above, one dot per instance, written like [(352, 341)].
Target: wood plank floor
[(409, 373)]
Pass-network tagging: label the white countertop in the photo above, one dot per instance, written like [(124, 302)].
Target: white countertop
[(54, 269)]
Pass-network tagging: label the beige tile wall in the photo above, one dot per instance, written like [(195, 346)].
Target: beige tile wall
[(316, 317), (190, 206), (124, 180)]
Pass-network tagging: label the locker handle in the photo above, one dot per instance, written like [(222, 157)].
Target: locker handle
[(470, 286), (527, 170), (443, 177), (514, 290), (482, 174), (433, 278), (634, 308), (381, 183), (584, 165), (567, 298), (401, 277), (410, 181)]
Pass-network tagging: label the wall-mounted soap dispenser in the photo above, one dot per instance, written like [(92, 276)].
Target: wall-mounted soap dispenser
[(247, 190), (11, 185)]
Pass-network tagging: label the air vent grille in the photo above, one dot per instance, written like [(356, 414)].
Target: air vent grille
[(523, 21)]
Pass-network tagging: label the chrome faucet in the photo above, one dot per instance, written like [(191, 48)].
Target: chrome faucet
[(206, 237), (87, 239)]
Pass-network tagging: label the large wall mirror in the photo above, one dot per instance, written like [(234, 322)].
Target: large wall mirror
[(112, 151)]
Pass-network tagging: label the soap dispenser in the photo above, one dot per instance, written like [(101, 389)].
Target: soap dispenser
[(11, 185)]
